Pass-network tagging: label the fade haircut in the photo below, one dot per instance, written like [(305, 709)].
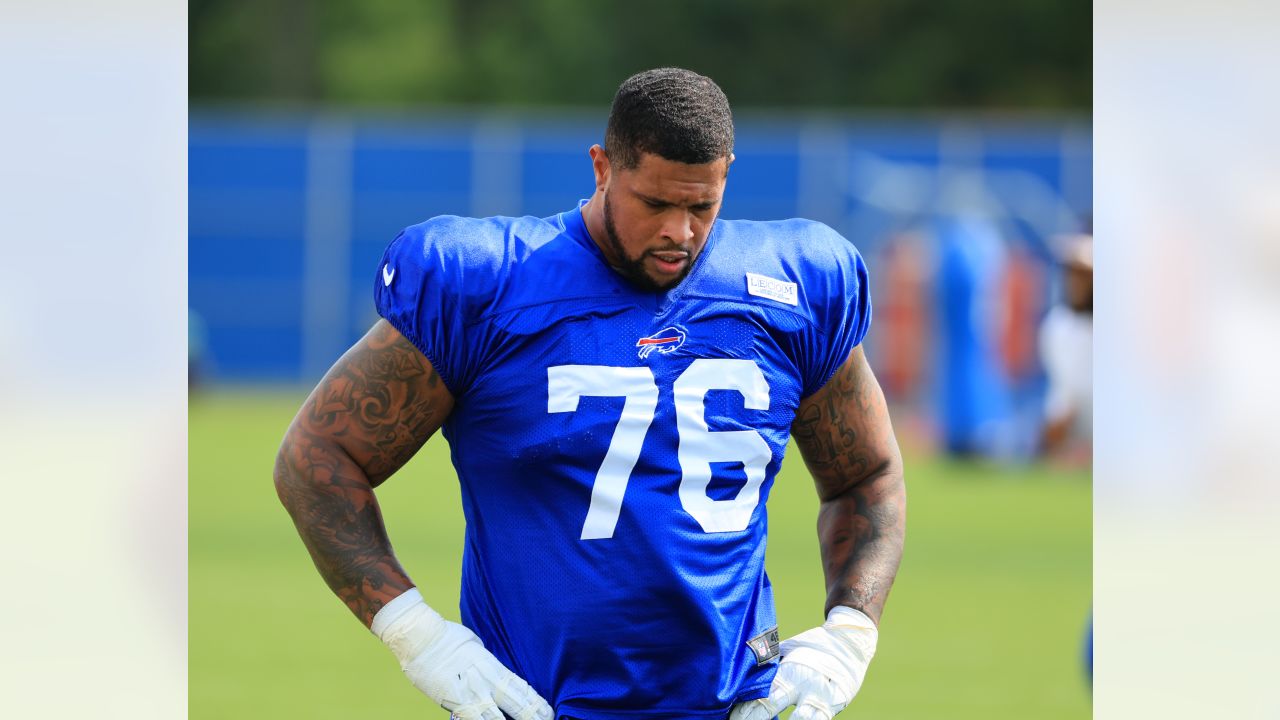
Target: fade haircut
[(675, 114)]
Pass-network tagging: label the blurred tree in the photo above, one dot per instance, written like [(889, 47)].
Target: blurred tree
[(765, 53)]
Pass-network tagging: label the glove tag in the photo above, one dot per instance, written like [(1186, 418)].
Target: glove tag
[(765, 645)]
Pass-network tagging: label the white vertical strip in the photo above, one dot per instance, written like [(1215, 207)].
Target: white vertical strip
[(327, 251), (496, 148)]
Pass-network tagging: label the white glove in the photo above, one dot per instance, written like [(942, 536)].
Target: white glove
[(821, 669), (448, 663)]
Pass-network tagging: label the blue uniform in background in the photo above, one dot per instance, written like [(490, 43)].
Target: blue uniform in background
[(615, 446)]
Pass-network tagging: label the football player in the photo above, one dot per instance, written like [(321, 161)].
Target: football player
[(617, 384)]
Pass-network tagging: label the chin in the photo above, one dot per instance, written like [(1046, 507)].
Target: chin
[(665, 283)]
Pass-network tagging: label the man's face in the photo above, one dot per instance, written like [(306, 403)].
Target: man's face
[(1079, 288), (658, 215)]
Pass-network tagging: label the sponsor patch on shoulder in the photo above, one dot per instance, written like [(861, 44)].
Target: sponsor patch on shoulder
[(765, 645), (767, 287)]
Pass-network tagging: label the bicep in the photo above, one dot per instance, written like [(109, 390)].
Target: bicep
[(379, 403), (843, 430)]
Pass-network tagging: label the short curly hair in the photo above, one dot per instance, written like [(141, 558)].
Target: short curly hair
[(676, 114)]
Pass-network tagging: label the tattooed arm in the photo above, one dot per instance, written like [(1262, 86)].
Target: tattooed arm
[(372, 411), (365, 419), (847, 442), (844, 435)]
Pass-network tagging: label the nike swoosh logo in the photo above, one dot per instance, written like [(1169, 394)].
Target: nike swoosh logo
[(387, 274)]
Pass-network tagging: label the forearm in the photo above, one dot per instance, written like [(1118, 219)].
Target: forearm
[(333, 506), (334, 509), (861, 534), (370, 413), (847, 441)]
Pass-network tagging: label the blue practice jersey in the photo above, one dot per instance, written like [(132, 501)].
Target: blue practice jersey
[(616, 446)]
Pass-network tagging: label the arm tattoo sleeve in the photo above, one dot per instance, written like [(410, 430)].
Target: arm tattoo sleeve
[(846, 439), (372, 411)]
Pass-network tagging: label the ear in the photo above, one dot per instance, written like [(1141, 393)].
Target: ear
[(600, 165)]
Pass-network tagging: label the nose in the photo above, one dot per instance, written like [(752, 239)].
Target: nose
[(678, 226)]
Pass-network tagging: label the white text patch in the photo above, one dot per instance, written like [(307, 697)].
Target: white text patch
[(767, 287)]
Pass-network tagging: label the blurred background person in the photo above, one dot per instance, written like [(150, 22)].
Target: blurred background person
[(1066, 350)]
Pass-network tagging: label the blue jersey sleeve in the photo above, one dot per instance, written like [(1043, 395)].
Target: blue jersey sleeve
[(840, 303), (434, 281)]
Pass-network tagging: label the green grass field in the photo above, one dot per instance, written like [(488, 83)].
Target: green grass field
[(985, 621)]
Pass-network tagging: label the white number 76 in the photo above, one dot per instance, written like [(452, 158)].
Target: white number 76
[(699, 446)]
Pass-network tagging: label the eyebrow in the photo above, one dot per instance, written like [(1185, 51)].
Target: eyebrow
[(704, 205), (651, 200)]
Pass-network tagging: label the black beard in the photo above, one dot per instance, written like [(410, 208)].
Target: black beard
[(633, 269)]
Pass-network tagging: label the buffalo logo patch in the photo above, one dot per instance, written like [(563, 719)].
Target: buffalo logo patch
[(665, 341)]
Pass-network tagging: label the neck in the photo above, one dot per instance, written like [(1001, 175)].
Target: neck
[(593, 216)]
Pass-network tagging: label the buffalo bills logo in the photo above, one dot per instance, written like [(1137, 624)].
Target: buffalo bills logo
[(667, 340)]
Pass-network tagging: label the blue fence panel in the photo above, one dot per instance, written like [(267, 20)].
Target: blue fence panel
[(290, 214), (246, 216)]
